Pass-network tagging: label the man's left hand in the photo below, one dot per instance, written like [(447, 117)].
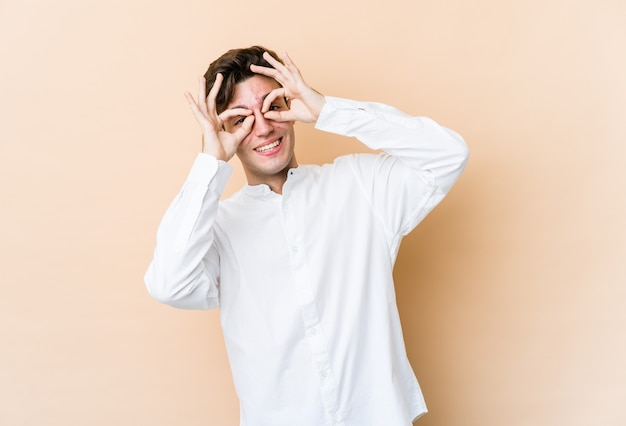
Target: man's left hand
[(305, 103)]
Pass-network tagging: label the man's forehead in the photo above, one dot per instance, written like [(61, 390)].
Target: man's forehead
[(252, 92)]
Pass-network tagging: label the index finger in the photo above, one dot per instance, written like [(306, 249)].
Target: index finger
[(234, 113)]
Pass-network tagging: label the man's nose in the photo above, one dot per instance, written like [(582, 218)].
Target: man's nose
[(262, 126)]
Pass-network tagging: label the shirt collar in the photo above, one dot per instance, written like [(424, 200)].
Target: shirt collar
[(258, 191), (262, 190)]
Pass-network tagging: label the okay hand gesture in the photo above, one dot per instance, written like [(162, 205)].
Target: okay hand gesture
[(305, 104), (215, 140)]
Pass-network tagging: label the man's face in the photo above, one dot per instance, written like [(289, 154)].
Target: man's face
[(268, 151)]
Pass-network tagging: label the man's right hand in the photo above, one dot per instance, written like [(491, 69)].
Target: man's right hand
[(215, 140)]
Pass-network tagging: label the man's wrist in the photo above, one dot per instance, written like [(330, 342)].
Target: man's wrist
[(318, 105), (216, 152)]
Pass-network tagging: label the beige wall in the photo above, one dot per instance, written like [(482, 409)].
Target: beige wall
[(512, 292)]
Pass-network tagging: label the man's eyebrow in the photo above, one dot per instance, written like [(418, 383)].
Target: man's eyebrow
[(246, 107)]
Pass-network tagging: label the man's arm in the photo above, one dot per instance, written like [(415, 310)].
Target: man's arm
[(420, 163), (419, 141), (184, 271)]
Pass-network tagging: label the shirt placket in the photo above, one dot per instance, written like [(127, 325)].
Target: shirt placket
[(308, 308)]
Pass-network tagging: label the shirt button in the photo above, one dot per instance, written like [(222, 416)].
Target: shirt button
[(294, 249), (324, 373), (314, 331)]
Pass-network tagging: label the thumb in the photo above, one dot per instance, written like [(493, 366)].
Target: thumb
[(280, 116)]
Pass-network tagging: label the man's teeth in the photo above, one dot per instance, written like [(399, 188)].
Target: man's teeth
[(268, 146)]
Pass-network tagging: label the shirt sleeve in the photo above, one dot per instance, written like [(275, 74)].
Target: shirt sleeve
[(420, 159), (184, 271)]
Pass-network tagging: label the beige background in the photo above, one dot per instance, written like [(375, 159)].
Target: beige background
[(511, 293)]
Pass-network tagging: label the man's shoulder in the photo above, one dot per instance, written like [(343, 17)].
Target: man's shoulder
[(343, 161), (342, 172), (357, 161)]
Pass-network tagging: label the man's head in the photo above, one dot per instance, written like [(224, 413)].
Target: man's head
[(267, 152), (234, 65)]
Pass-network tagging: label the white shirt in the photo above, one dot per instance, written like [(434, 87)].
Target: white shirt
[(304, 279)]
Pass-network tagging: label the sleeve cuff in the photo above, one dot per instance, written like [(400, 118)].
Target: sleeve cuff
[(336, 115), (344, 116), (205, 167)]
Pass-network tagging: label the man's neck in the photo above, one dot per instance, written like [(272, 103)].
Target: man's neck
[(275, 182)]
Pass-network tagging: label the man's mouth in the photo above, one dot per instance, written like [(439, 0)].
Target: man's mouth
[(269, 146)]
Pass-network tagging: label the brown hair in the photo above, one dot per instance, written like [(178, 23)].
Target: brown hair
[(234, 65)]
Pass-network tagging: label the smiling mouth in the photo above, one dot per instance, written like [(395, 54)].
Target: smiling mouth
[(269, 146)]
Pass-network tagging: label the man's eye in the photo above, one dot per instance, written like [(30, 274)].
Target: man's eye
[(274, 107), (239, 120)]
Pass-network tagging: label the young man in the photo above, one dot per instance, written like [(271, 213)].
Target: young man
[(300, 260)]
